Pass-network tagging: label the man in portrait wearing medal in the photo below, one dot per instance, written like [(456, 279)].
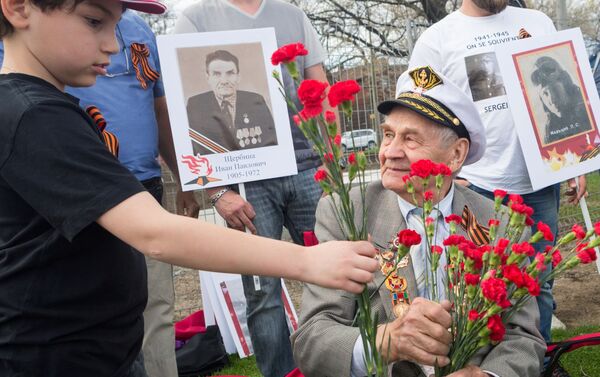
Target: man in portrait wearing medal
[(433, 119), (227, 119)]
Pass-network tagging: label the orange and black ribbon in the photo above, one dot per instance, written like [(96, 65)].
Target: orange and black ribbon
[(479, 234), (110, 139), (139, 58)]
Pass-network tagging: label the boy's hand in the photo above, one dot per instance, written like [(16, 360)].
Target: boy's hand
[(420, 336), (340, 265)]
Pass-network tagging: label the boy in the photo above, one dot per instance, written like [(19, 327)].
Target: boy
[(73, 290)]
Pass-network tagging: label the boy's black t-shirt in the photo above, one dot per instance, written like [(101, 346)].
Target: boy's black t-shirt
[(71, 294)]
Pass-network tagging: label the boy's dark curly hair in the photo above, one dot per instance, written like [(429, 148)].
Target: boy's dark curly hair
[(7, 29)]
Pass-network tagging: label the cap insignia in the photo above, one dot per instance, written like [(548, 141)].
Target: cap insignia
[(425, 78)]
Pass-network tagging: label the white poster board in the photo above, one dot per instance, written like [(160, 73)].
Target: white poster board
[(229, 121), (223, 299), (554, 103)]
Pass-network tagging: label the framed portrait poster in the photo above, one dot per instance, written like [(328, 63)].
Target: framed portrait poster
[(554, 103), (229, 121)]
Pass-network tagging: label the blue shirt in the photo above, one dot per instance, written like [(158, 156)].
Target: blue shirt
[(127, 107)]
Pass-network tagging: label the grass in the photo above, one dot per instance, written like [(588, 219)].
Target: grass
[(584, 362)]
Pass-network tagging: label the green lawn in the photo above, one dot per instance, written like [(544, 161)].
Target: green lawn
[(584, 362)]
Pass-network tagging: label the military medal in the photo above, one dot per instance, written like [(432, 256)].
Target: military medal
[(253, 135), (240, 137), (397, 285), (246, 119), (258, 132)]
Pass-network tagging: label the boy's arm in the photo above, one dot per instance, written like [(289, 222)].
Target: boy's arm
[(146, 226)]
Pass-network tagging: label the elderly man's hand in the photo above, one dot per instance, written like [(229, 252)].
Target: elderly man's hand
[(236, 211), (469, 371), (420, 336), (186, 203)]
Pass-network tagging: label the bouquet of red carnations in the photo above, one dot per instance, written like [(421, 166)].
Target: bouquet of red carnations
[(489, 281)]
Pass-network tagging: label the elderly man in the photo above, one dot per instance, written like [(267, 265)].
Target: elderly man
[(429, 119)]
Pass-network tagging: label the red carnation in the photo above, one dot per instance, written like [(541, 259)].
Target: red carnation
[(528, 221), (342, 91), (513, 273), (337, 140), (496, 328), (429, 221), (428, 195), (587, 255), (579, 232), (453, 218), (454, 240), (320, 175), (556, 258), (494, 289), (533, 285), (472, 279), (493, 222), (329, 116), (435, 249), (541, 262), (523, 209), (499, 193), (312, 93), (501, 246), (523, 248), (288, 53), (352, 158), (515, 198), (421, 168), (473, 315), (297, 120), (545, 229), (406, 178), (409, 237), (597, 228), (444, 170), (328, 157)]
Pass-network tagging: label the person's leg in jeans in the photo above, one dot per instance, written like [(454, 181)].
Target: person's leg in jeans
[(158, 347), (545, 209), (265, 312)]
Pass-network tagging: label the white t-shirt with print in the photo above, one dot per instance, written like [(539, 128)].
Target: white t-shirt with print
[(462, 48)]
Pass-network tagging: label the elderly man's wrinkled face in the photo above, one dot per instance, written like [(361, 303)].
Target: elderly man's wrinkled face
[(492, 6), (407, 138), (223, 78)]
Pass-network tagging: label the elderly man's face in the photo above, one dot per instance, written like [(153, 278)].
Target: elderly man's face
[(407, 138), (223, 78)]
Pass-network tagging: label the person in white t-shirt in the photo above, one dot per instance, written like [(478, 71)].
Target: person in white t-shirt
[(475, 29)]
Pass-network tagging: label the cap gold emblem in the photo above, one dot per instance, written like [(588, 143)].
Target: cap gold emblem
[(425, 78)]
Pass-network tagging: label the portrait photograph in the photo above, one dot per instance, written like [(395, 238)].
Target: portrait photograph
[(553, 100), (484, 76), (227, 98), (554, 92), (230, 123)]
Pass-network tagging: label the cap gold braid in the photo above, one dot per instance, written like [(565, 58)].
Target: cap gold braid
[(449, 117)]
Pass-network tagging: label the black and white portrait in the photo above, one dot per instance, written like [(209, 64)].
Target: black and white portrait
[(227, 109), (484, 76), (561, 99)]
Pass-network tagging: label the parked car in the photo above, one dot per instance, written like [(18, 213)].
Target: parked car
[(359, 139)]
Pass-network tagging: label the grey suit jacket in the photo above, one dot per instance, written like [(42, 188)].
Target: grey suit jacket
[(324, 342)]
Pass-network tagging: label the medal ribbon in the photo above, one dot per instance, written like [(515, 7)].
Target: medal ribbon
[(478, 233), (139, 57)]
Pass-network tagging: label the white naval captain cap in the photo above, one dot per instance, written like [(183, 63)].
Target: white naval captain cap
[(435, 97)]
